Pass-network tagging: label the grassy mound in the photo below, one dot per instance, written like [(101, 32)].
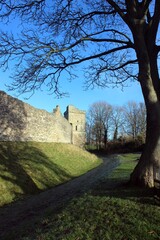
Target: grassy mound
[(27, 168)]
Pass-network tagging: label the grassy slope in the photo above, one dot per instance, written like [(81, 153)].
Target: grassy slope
[(106, 213), (27, 168)]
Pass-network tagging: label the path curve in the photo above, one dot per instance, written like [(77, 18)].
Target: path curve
[(17, 213)]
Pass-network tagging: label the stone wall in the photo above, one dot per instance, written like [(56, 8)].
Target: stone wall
[(21, 122)]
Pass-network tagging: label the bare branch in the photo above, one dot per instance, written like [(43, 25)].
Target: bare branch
[(98, 55), (118, 10), (22, 8), (121, 66), (85, 39), (155, 20)]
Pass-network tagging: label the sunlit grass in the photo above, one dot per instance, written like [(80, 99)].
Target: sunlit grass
[(128, 162), (27, 168)]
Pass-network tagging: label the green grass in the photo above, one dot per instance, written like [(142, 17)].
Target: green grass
[(109, 212), (128, 162), (27, 168)]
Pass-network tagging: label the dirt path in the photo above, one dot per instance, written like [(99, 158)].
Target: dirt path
[(16, 214)]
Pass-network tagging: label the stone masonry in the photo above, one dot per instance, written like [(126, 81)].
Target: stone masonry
[(21, 122)]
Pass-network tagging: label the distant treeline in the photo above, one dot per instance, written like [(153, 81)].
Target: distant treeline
[(116, 128)]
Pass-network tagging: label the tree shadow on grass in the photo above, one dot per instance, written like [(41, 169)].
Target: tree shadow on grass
[(48, 173), (119, 187), (25, 170), (12, 171)]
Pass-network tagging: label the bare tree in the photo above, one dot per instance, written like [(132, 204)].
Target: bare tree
[(135, 119), (119, 38), (117, 121), (99, 115), (90, 136)]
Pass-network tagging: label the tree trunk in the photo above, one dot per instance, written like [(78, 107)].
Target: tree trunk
[(143, 174), (148, 77), (115, 135)]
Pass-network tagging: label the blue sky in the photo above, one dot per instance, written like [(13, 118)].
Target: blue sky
[(78, 97)]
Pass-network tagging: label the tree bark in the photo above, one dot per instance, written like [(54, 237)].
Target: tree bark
[(143, 173)]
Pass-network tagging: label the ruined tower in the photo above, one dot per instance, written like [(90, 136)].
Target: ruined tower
[(77, 119)]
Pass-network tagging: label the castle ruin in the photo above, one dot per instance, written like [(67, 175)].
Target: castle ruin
[(77, 120), (20, 121)]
